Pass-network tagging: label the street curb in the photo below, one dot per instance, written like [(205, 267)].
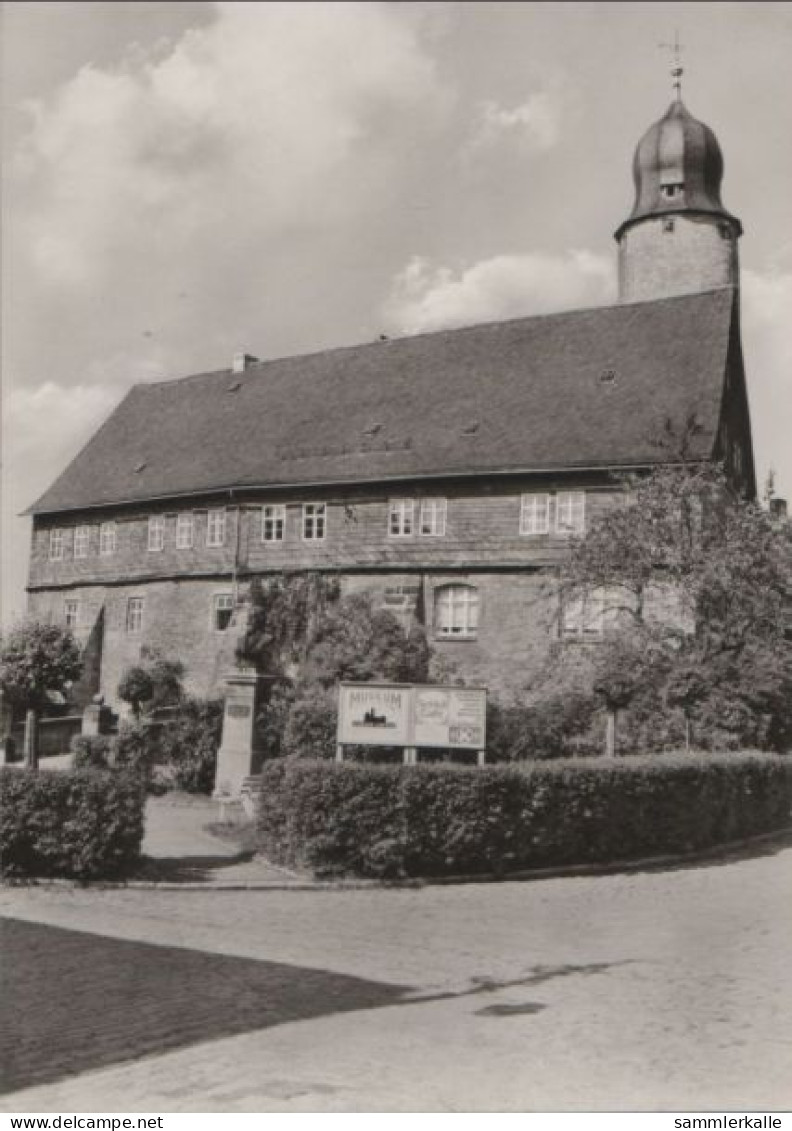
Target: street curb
[(713, 854)]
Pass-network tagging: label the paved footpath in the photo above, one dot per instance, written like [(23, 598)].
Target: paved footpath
[(659, 990)]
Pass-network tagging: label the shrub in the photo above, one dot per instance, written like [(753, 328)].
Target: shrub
[(433, 820), (331, 817), (134, 748), (311, 725), (554, 726), (91, 751), (86, 824), (187, 744)]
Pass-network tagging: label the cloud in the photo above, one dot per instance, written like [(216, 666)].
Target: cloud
[(44, 428), (535, 125), (274, 116), (427, 297), (766, 303)]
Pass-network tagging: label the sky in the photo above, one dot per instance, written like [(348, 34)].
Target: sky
[(184, 180)]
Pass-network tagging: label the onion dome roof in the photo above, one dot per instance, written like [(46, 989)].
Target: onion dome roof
[(678, 167)]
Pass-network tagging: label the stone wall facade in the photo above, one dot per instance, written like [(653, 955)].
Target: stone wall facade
[(670, 255), (176, 591)]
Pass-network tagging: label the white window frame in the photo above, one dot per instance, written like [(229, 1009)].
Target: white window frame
[(71, 613), (570, 513), (273, 522), (185, 530), (583, 616), (314, 522), (432, 518), (57, 544), (535, 513), (108, 539), (134, 615), (222, 603), (401, 518), (82, 541), (216, 527), (156, 533), (456, 612)]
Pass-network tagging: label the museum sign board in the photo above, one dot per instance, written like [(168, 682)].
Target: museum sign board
[(412, 715)]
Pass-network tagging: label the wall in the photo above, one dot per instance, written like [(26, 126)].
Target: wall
[(482, 528), (482, 546), (655, 262)]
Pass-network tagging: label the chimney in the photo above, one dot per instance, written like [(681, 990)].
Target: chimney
[(778, 509), (242, 361)]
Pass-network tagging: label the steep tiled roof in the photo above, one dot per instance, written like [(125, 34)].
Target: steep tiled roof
[(588, 388)]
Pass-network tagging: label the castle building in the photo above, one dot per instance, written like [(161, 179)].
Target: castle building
[(444, 473)]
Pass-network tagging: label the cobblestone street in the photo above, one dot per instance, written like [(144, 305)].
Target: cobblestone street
[(668, 989)]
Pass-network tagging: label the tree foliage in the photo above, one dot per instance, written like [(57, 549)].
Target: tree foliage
[(308, 637), (284, 612), (135, 688), (701, 584), (155, 682), (35, 659)]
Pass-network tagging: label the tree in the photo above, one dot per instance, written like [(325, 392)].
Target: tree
[(621, 671), (156, 682), (284, 611), (35, 660), (307, 637), (136, 687), (706, 577)]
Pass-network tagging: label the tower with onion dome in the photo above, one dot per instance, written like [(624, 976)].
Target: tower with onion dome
[(679, 237)]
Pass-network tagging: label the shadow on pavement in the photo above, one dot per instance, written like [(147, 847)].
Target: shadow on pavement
[(186, 869), (75, 1001)]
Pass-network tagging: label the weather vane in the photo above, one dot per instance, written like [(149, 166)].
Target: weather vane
[(676, 69)]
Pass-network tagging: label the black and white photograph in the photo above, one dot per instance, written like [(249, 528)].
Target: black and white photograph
[(396, 638)]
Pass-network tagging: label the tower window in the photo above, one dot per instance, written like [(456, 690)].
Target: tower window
[(672, 191), (668, 225), (71, 613)]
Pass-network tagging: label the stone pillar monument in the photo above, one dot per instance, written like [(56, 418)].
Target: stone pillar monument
[(239, 756)]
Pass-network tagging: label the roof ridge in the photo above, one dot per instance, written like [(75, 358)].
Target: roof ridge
[(544, 316)]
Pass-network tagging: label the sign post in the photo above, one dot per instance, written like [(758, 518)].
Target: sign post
[(413, 717)]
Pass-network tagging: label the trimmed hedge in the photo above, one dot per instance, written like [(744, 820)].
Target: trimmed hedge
[(388, 821), (87, 824)]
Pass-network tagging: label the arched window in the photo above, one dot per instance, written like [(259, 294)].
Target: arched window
[(456, 609)]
